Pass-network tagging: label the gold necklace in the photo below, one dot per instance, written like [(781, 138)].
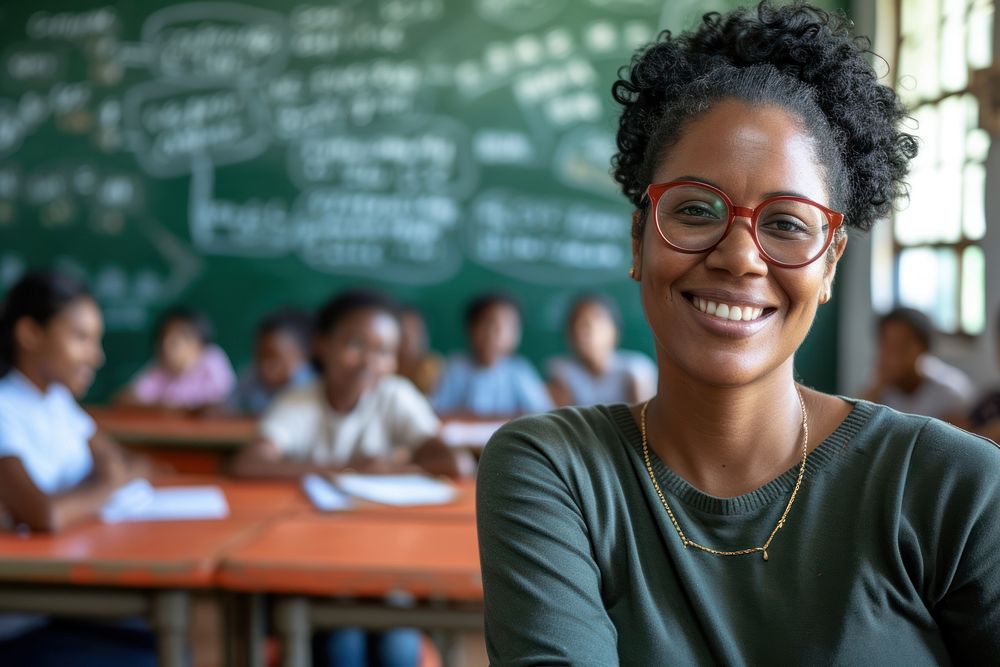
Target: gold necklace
[(784, 515)]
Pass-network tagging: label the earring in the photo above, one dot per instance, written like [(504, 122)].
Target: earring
[(632, 273)]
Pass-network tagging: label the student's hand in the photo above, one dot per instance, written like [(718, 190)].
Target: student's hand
[(379, 465), (113, 471), (437, 458), (142, 467)]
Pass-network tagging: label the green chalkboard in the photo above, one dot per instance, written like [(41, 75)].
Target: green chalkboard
[(236, 157)]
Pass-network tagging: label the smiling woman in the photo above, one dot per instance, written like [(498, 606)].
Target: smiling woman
[(738, 517)]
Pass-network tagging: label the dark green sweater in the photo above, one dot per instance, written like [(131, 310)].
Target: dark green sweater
[(890, 555)]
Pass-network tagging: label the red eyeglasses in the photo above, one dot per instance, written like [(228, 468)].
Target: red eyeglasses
[(790, 232)]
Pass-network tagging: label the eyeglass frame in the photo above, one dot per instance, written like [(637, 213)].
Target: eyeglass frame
[(654, 191)]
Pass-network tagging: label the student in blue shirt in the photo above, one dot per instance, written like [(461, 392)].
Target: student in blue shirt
[(281, 361), (55, 467), (490, 381)]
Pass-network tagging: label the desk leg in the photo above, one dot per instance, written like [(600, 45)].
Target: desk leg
[(170, 623), (245, 629), (295, 628)]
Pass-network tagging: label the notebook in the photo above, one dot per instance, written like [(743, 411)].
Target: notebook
[(397, 490), (140, 501)]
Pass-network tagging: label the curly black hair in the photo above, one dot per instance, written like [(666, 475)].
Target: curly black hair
[(798, 57)]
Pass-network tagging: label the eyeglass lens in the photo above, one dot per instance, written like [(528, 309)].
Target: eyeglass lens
[(695, 218)]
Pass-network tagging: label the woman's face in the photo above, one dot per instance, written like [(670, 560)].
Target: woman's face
[(67, 349), (750, 153), (359, 351), (592, 332)]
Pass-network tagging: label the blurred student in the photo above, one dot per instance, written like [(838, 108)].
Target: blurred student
[(56, 469), (908, 377), (416, 362), (490, 381), (358, 414), (281, 361), (598, 372), (190, 372)]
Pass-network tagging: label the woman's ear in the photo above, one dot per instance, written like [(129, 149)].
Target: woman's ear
[(635, 273)]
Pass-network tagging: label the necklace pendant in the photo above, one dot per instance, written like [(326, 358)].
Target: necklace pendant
[(765, 554)]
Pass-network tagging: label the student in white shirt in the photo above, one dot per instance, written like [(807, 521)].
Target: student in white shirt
[(358, 415), (55, 467)]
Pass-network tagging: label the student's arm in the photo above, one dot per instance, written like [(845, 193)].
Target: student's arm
[(29, 505), (109, 456), (532, 396), (220, 378), (263, 459), (542, 585), (560, 393), (415, 434), (558, 387), (437, 458)]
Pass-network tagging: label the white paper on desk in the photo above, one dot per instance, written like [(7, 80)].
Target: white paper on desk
[(139, 501), (324, 495), (399, 490), (460, 434)]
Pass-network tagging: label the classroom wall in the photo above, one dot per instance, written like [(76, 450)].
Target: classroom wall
[(857, 322), (237, 157)]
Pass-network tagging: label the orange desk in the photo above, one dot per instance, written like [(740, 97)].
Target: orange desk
[(358, 569), (149, 569), (190, 444)]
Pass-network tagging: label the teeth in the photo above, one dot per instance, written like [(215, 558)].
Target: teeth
[(727, 312)]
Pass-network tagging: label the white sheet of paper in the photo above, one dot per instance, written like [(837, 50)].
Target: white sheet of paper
[(324, 495), (140, 501), (399, 490), (461, 434)]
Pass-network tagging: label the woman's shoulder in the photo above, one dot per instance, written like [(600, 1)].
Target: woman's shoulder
[(929, 449)]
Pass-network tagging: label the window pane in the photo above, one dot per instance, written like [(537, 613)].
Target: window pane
[(973, 293), (928, 281), (927, 131), (980, 41), (977, 144), (953, 68), (954, 122), (934, 212), (973, 213)]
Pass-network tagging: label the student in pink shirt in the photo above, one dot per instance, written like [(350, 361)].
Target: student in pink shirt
[(190, 371)]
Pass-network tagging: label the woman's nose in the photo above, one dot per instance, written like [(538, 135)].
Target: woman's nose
[(738, 253)]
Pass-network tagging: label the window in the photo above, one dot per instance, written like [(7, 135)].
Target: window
[(931, 257)]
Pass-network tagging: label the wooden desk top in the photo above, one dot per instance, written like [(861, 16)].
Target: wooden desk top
[(153, 554), (356, 555), (156, 427)]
